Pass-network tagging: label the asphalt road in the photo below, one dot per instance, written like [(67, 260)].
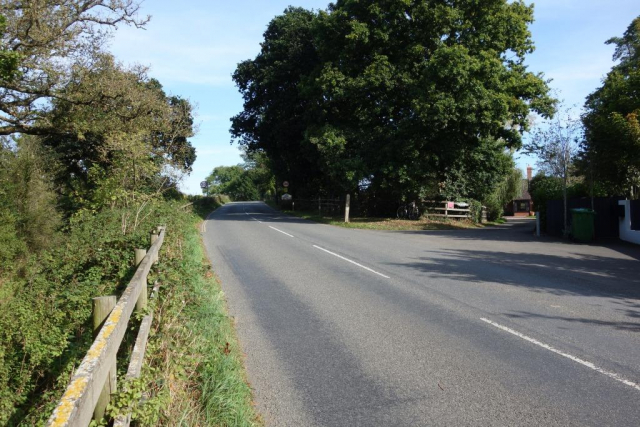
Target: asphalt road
[(345, 327)]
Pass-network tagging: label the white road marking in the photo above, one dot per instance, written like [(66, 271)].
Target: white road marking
[(352, 262), (204, 223), (256, 219), (589, 365), (273, 228)]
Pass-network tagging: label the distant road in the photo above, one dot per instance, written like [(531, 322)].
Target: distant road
[(345, 327)]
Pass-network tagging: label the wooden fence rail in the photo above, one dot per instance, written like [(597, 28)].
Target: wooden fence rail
[(448, 210), (76, 408)]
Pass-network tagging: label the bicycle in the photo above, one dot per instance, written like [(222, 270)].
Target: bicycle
[(408, 211)]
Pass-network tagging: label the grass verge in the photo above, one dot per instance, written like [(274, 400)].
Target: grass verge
[(421, 224), (193, 374)]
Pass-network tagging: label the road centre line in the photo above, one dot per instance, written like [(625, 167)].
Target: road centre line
[(255, 219), (589, 365), (273, 228), (352, 262)]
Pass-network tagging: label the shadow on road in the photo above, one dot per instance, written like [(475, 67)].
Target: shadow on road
[(586, 275), (623, 326)]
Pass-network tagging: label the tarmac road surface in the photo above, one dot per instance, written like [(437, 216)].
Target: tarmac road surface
[(347, 327)]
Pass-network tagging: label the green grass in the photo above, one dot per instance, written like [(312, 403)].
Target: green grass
[(498, 221), (377, 223), (194, 365)]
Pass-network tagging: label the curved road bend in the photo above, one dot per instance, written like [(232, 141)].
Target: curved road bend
[(345, 327)]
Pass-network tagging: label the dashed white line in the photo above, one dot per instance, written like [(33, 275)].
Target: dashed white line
[(352, 262), (273, 228), (589, 365)]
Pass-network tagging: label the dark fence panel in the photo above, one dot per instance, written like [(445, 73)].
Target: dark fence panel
[(635, 214), (606, 219)]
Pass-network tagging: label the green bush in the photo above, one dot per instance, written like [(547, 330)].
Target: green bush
[(494, 207), (45, 321), (542, 189), (475, 211)]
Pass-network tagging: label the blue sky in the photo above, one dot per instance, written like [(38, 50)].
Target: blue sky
[(193, 47)]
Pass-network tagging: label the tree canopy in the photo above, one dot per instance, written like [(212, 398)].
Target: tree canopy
[(114, 136), (420, 97), (611, 150), (251, 180)]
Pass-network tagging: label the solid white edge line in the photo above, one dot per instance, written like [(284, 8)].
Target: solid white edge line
[(589, 365), (352, 262), (204, 223), (273, 228)]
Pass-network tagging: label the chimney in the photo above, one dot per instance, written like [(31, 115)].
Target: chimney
[(529, 172)]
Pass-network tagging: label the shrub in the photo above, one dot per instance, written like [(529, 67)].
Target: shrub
[(475, 211)]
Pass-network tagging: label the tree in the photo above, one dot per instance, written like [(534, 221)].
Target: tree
[(47, 42), (233, 181), (505, 191), (400, 94), (556, 143), (275, 107), (610, 153), (134, 135)]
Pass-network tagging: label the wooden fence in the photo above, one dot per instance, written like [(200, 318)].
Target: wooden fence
[(322, 206), (455, 210), (88, 392)]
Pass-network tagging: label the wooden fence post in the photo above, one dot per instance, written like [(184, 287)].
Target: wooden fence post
[(153, 237), (102, 307), (141, 304), (347, 206)]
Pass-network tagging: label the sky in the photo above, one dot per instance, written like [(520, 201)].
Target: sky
[(193, 46)]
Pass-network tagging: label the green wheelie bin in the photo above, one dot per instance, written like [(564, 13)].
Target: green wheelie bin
[(582, 224)]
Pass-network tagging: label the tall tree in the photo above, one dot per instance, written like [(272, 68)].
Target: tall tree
[(611, 150), (396, 93), (121, 145), (47, 41), (556, 144)]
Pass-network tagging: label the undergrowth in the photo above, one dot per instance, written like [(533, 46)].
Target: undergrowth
[(193, 374), (194, 367)]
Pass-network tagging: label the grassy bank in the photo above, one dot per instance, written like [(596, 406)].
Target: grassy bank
[(193, 373), (377, 223), (202, 380)]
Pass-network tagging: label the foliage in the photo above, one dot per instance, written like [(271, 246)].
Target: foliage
[(98, 144), (508, 189), (44, 324), (407, 96), (49, 42), (611, 150), (193, 370), (542, 189), (234, 181), (45, 327), (126, 147), (252, 180), (556, 145), (475, 211), (9, 59)]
